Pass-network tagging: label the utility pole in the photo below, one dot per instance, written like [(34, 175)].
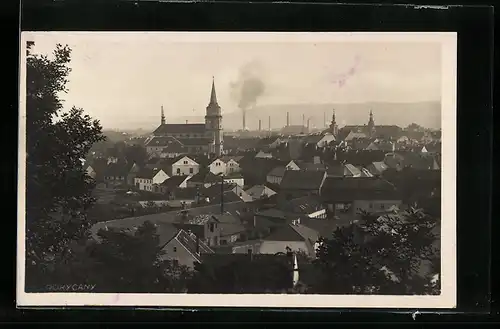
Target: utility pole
[(222, 194)]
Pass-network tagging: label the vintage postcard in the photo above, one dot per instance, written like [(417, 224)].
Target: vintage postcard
[(300, 170)]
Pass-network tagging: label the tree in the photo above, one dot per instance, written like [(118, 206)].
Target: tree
[(57, 187), (135, 262), (135, 154), (346, 266), (240, 273), (404, 240), (383, 254)]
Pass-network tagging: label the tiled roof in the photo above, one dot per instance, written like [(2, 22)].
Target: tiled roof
[(207, 177), (360, 188), (169, 128), (189, 241), (302, 180), (303, 205), (165, 231), (160, 141), (201, 141), (278, 172), (174, 181), (227, 158), (352, 170), (147, 173)]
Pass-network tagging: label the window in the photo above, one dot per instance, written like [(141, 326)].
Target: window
[(178, 171), (185, 162), (382, 206), (211, 227), (191, 170), (175, 249), (175, 262), (370, 205)]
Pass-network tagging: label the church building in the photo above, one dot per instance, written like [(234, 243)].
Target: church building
[(193, 137)]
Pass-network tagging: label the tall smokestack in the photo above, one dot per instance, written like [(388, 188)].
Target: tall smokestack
[(324, 119), (309, 119), (287, 119), (260, 124), (269, 123), (244, 120), (303, 120)]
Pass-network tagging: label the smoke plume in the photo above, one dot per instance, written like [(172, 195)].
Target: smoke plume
[(249, 86)]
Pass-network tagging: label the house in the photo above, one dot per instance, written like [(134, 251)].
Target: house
[(292, 165), (235, 178), (132, 173), (171, 184), (318, 140), (352, 135), (202, 179), (165, 146), (115, 174), (376, 168), (230, 191), (146, 179), (231, 228), (297, 183), (307, 206), (90, 171), (346, 197), (294, 237), (181, 165), (226, 165), (257, 192), (263, 155), (180, 247), (276, 175)]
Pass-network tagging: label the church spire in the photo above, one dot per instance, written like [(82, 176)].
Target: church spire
[(213, 96), (162, 116)]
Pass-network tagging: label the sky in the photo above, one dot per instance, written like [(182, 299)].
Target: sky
[(125, 77)]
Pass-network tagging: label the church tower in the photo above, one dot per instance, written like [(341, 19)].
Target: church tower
[(334, 128), (371, 125), (213, 124), (162, 116)]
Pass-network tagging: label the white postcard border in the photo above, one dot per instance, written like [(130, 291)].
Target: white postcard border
[(447, 299)]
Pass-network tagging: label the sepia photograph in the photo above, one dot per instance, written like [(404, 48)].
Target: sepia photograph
[(191, 169)]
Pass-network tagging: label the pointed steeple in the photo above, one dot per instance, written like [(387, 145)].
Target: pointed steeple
[(213, 96), (162, 116)]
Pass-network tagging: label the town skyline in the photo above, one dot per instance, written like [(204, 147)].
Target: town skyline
[(162, 70)]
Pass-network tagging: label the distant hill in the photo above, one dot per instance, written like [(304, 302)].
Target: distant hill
[(427, 114)]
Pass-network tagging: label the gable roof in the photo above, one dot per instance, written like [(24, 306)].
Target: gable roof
[(174, 181), (165, 231), (198, 141), (302, 180), (175, 128), (302, 205), (162, 141), (278, 171), (205, 177), (190, 242), (147, 173), (360, 188)]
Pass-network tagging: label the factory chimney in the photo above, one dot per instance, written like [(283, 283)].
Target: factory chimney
[(269, 123), (287, 119), (303, 120), (260, 125), (244, 120)]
